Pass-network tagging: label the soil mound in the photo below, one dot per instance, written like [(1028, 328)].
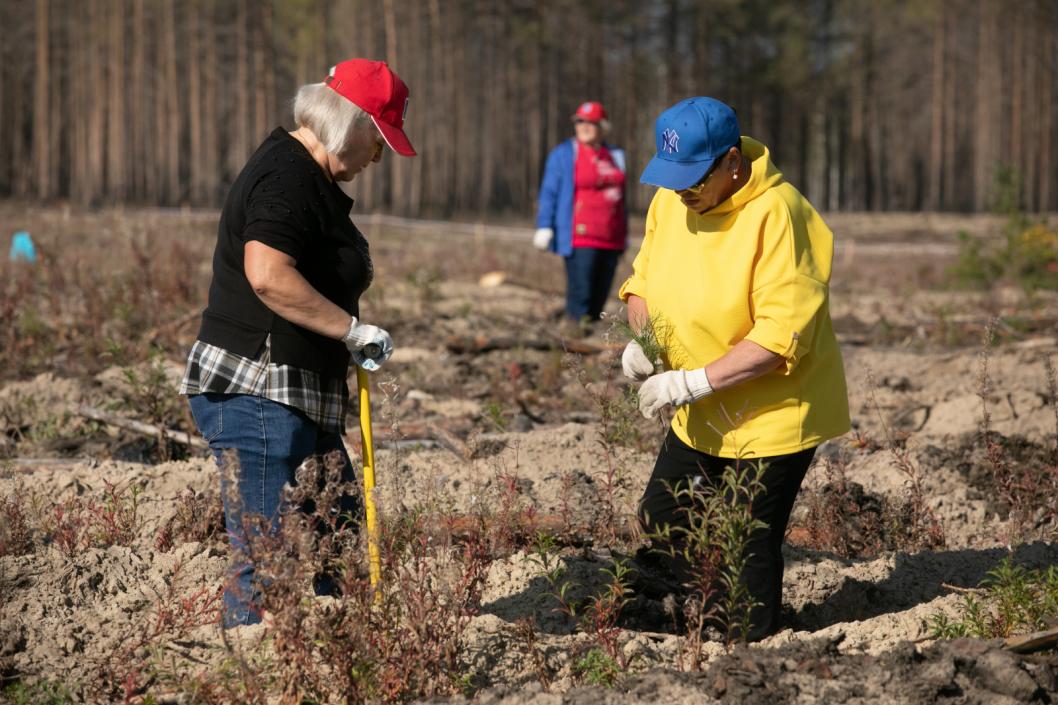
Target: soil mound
[(818, 672)]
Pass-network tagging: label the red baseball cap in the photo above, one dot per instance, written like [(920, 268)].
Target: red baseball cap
[(380, 93), (590, 111)]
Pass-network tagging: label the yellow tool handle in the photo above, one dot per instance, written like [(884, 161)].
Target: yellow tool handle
[(363, 386)]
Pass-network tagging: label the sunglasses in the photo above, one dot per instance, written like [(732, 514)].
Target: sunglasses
[(697, 187)]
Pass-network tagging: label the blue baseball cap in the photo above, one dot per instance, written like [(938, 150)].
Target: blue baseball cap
[(690, 136)]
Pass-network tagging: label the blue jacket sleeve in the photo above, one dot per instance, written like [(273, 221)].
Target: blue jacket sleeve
[(621, 162), (548, 199)]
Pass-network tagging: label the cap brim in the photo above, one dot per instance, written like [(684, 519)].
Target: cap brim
[(673, 175), (395, 138)]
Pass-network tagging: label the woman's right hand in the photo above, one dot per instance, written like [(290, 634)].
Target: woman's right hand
[(542, 238)]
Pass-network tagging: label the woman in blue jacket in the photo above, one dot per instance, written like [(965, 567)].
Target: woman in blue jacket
[(581, 214)]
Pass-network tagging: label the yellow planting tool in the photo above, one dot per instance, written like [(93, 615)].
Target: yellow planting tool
[(363, 386)]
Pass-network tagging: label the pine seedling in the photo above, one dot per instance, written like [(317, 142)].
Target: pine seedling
[(652, 335)]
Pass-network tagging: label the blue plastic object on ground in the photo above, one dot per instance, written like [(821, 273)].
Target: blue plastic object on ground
[(22, 248)]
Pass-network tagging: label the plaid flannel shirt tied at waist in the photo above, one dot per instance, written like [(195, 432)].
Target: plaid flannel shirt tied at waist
[(325, 400)]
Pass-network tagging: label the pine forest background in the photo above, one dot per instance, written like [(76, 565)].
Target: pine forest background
[(866, 104)]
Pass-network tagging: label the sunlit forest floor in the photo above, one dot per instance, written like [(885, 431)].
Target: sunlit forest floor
[(510, 458)]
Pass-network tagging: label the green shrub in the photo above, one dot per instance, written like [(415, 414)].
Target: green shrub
[(1027, 254), (40, 693), (714, 545), (597, 668), (1012, 600)]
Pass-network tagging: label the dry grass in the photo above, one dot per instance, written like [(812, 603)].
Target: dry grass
[(140, 278), (1029, 490)]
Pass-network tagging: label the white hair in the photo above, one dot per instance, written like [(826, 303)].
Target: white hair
[(332, 118), (604, 127)]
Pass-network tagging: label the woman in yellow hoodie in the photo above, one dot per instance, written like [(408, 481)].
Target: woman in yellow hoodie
[(733, 274)]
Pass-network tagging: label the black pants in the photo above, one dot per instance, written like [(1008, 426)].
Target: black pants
[(678, 465)]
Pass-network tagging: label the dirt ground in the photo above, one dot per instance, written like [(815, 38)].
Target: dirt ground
[(856, 627)]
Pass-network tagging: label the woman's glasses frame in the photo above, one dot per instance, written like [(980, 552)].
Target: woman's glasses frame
[(700, 184)]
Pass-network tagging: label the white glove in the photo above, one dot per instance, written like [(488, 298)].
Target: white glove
[(542, 238), (378, 344), (634, 362), (676, 387)]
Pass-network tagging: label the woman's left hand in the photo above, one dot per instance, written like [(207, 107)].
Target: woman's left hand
[(675, 387), (369, 345), (634, 362)]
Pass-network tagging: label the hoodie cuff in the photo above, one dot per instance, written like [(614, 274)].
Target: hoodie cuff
[(779, 340), (633, 286)]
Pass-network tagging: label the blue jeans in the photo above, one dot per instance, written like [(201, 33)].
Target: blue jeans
[(271, 440), (589, 276)]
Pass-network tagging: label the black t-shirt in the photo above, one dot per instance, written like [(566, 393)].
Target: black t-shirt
[(283, 199)]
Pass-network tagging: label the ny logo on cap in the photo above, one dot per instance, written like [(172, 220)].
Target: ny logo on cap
[(405, 113), (670, 141)]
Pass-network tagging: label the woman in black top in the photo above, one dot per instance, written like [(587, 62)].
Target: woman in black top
[(266, 376)]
